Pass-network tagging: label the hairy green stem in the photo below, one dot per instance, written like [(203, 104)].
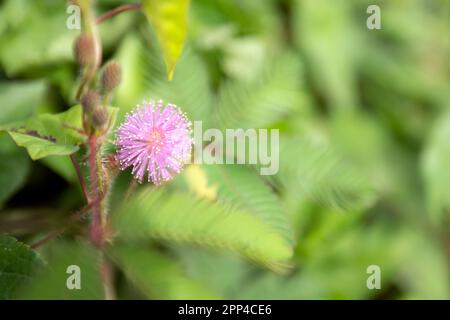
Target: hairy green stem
[(97, 232), (80, 177), (99, 184), (99, 215)]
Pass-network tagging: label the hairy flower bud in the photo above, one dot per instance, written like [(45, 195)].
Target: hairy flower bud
[(84, 50), (90, 101), (111, 76), (99, 117)]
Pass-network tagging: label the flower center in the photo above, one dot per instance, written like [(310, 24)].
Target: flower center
[(155, 139)]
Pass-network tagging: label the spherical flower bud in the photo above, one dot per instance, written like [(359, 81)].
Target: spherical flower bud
[(111, 76), (99, 117), (90, 101), (156, 140), (84, 50)]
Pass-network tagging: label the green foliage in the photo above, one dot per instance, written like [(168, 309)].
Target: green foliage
[(158, 276), (42, 146), (363, 119), (179, 218), (17, 263), (435, 167), (36, 35), (322, 27), (323, 175), (344, 257), (19, 100), (49, 134), (273, 95), (50, 282), (222, 272), (130, 57), (241, 187), (14, 165)]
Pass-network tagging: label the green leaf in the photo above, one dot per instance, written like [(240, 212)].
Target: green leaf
[(416, 253), (330, 43), (14, 167), (157, 275), (244, 57), (317, 171), (247, 16), (181, 218), (42, 146), (37, 36), (19, 100), (51, 282), (241, 187), (436, 168), (224, 273), (131, 57), (273, 95), (169, 19), (50, 134), (341, 257), (17, 262)]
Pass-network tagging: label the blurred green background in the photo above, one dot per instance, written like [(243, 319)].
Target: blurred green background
[(364, 119)]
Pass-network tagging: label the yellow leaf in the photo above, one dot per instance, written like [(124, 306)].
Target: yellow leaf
[(169, 19)]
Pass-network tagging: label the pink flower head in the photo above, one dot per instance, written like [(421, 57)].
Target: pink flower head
[(154, 139)]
